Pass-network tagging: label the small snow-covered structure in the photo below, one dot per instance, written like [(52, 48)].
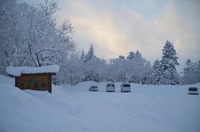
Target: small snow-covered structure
[(35, 78)]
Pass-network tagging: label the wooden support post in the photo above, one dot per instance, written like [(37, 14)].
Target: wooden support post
[(49, 84)]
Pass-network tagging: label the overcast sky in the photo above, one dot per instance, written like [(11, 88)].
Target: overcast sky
[(116, 27)]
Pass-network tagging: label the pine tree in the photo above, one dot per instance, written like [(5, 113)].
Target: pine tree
[(138, 55), (131, 55), (82, 55), (90, 53), (169, 75), (156, 72)]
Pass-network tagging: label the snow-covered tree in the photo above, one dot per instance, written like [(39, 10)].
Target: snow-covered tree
[(72, 72), (48, 44), (198, 71), (136, 68), (93, 70), (90, 53), (82, 55), (29, 35), (92, 66), (156, 73), (9, 36), (131, 55), (168, 64), (146, 77), (190, 73), (117, 69), (138, 55)]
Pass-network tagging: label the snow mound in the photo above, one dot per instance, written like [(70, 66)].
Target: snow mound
[(33, 111)]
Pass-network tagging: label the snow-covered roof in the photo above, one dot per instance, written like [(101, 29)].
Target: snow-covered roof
[(17, 71)]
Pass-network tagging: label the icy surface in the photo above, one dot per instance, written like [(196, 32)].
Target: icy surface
[(17, 71), (74, 109)]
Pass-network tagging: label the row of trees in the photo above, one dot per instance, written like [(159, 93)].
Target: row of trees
[(133, 68), (30, 37)]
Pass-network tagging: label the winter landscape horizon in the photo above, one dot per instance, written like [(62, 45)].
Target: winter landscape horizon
[(33, 34), (118, 27)]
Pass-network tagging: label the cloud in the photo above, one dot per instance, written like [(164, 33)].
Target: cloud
[(180, 26), (118, 27), (103, 34), (99, 28)]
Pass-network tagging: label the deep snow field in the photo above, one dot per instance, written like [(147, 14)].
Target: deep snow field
[(147, 108)]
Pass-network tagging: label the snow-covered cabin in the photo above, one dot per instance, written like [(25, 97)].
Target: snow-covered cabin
[(35, 78)]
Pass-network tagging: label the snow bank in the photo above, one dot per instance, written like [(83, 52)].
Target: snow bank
[(7, 80), (17, 71), (33, 111)]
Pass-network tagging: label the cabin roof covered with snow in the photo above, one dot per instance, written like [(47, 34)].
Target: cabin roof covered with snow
[(17, 71)]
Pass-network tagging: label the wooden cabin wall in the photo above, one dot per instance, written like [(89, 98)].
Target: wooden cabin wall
[(40, 82)]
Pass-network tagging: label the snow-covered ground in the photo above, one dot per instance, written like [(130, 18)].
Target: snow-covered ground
[(147, 108)]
